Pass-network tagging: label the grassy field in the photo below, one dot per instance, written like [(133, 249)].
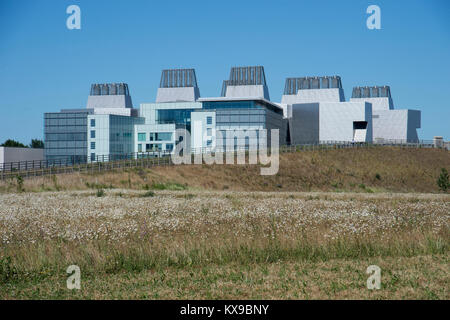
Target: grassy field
[(197, 244)]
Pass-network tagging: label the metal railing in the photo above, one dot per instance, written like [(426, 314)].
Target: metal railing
[(163, 158)]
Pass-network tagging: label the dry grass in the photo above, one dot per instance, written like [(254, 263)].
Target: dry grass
[(197, 244), (381, 169)]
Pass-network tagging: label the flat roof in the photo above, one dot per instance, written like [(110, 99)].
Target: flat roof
[(223, 99)]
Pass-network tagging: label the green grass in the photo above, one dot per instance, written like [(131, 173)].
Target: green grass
[(168, 186)]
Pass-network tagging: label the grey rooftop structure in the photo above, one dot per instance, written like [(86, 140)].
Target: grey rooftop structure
[(292, 85), (178, 78), (104, 89), (371, 92), (178, 85), (249, 81), (109, 95)]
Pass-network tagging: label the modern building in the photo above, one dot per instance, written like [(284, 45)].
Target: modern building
[(317, 112), (388, 123), (312, 110), (242, 108), (104, 127)]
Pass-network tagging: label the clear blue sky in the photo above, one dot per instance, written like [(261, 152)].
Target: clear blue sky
[(45, 67)]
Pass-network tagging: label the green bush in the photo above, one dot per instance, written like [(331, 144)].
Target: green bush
[(20, 187), (168, 186), (443, 180), (100, 193), (148, 194)]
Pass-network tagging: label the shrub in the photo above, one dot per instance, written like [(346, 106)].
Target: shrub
[(443, 180), (377, 176), (100, 193), (19, 179), (7, 270), (148, 194), (168, 186)]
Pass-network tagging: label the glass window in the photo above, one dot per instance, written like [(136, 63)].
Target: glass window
[(208, 120), (209, 143), (92, 122), (92, 145), (141, 136), (169, 146), (163, 136), (177, 116), (92, 156), (92, 134), (209, 132), (139, 147)]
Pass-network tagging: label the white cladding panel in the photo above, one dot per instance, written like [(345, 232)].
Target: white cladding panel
[(130, 112), (398, 125), (336, 120), (254, 91), (102, 135), (177, 94), (380, 103), (315, 95), (109, 101), (199, 130)]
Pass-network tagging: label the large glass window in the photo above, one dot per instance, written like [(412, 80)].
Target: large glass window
[(92, 122), (177, 116), (139, 147), (92, 134), (169, 146), (209, 132), (241, 105), (66, 135), (208, 120), (163, 136), (92, 145), (141, 136)]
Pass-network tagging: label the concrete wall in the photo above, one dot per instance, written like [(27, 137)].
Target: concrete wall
[(9, 154)]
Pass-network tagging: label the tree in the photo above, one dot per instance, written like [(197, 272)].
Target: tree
[(443, 180), (13, 143), (36, 143)]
